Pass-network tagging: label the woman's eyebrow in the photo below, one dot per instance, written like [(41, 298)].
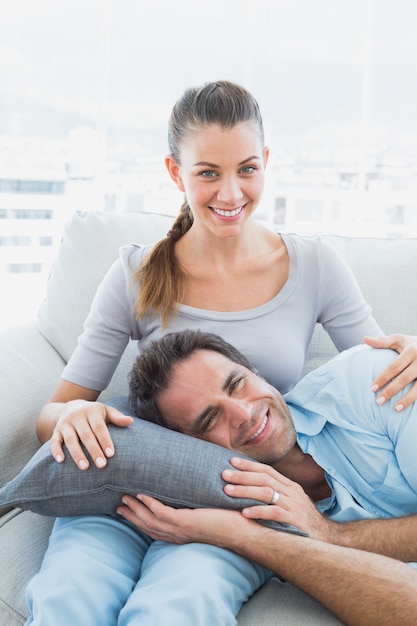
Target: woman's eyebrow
[(205, 164), (251, 158), (214, 165)]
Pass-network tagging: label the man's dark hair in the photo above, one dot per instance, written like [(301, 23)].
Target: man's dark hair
[(153, 368)]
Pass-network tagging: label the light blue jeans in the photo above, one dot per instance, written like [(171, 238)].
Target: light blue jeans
[(99, 571)]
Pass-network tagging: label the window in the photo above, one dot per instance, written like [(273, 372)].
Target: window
[(15, 241), (24, 268), (15, 185), (87, 88)]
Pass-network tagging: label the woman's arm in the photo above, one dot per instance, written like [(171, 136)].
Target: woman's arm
[(348, 320), (72, 416)]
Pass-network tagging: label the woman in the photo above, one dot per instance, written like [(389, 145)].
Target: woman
[(221, 271)]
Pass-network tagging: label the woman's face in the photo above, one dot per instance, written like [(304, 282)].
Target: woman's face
[(222, 175)]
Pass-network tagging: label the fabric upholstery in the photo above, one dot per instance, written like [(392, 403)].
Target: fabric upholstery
[(29, 367), (279, 603), (22, 549), (90, 240)]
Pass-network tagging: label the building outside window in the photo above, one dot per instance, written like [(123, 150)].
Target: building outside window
[(87, 89)]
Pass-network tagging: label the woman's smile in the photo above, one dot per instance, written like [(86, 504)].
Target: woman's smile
[(228, 213)]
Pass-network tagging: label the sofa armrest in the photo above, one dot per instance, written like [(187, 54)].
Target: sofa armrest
[(29, 370)]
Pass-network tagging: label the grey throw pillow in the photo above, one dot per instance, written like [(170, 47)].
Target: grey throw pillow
[(179, 470)]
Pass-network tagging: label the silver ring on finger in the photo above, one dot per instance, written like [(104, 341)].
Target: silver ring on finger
[(275, 498)]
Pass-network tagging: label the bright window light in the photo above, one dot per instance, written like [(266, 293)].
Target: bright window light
[(87, 89)]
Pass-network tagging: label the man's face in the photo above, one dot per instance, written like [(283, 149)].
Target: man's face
[(212, 398)]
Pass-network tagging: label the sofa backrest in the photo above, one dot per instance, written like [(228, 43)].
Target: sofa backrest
[(89, 246), (386, 270)]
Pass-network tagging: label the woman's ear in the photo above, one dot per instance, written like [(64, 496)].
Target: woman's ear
[(266, 155), (174, 171)]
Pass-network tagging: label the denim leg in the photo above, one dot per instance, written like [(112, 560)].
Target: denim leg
[(89, 570), (191, 585)]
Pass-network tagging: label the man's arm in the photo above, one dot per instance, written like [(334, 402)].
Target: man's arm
[(361, 588), (396, 537)]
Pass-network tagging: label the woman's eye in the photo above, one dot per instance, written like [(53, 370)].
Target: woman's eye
[(208, 174), (248, 169)]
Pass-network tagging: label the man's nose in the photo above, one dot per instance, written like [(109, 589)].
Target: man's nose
[(230, 190), (240, 413)]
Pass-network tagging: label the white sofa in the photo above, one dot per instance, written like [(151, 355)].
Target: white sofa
[(33, 355)]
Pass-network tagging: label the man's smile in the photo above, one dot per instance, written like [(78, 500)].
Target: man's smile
[(259, 431)]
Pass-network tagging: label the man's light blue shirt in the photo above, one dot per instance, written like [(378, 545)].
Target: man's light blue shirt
[(367, 451)]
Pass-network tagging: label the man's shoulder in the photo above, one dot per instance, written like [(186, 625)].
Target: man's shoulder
[(343, 384), (362, 355), (355, 367)]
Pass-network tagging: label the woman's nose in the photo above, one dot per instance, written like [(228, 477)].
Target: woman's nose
[(230, 191)]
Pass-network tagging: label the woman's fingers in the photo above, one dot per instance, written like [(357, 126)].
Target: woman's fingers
[(82, 429), (400, 373)]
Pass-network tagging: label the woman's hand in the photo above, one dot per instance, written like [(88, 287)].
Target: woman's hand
[(260, 482), (82, 427), (400, 373)]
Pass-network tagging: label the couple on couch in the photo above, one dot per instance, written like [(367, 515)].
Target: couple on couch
[(220, 270), (325, 459)]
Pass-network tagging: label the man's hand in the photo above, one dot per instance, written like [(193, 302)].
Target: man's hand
[(259, 481), (361, 588), (395, 537), (164, 523), (252, 480)]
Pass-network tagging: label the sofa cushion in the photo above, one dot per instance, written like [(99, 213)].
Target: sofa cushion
[(29, 368), (279, 603), (23, 541), (179, 470), (91, 241)]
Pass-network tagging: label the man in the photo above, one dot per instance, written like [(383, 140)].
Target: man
[(327, 443)]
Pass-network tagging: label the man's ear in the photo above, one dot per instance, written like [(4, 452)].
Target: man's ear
[(174, 171)]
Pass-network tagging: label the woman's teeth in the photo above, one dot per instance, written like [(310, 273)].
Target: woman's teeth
[(224, 213)]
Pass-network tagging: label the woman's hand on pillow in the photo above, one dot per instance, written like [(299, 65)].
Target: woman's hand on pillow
[(82, 427)]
